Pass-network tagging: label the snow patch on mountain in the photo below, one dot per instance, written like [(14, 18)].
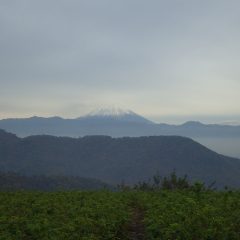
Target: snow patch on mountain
[(116, 114)]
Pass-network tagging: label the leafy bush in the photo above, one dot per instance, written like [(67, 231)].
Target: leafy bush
[(63, 215), (171, 213), (192, 214)]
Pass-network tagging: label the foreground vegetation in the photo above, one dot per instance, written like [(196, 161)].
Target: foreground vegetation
[(169, 209), (63, 215), (189, 215)]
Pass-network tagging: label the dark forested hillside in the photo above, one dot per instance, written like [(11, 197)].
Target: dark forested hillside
[(13, 181), (224, 139), (116, 159)]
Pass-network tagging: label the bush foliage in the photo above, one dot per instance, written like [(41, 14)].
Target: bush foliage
[(173, 209)]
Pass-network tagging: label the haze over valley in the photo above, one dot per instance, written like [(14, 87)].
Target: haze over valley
[(116, 122)]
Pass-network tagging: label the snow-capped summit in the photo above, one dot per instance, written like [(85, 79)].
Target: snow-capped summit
[(116, 114)]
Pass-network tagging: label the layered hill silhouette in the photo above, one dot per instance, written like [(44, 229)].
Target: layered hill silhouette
[(113, 160), (121, 123), (115, 123)]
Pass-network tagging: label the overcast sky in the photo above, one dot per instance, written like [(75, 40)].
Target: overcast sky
[(169, 60)]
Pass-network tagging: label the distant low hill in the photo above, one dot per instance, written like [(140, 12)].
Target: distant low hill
[(12, 181), (113, 160), (118, 123)]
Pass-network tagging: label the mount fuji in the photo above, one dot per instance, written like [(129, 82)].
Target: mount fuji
[(114, 122), (116, 115)]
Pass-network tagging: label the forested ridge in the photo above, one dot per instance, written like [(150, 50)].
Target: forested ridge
[(114, 160)]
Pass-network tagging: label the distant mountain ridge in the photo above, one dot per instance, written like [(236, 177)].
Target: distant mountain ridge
[(113, 122), (113, 160), (121, 123)]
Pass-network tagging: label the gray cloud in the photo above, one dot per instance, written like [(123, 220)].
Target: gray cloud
[(157, 57)]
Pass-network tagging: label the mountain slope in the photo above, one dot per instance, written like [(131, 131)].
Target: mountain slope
[(113, 160), (115, 115), (13, 182), (118, 123), (115, 123)]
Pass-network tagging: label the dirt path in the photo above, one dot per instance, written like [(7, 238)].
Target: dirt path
[(136, 226)]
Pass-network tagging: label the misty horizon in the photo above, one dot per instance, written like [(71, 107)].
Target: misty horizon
[(170, 119), (169, 61)]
